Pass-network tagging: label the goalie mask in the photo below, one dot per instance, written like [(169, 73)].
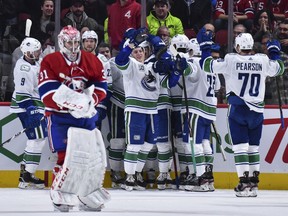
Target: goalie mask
[(194, 48), (69, 42), (181, 43), (89, 41), (243, 41), (31, 48)]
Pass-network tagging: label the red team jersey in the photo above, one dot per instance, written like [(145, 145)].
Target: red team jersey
[(55, 70), (240, 7), (279, 8)]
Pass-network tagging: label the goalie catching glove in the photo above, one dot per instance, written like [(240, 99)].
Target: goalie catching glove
[(80, 105)]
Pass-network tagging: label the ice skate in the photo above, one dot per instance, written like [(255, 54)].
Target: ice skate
[(182, 179), (196, 183), (161, 181), (29, 181), (254, 180), (62, 208), (140, 183), (117, 179), (243, 188), (208, 175), (129, 183)]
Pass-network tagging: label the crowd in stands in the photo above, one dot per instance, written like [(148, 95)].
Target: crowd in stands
[(264, 19)]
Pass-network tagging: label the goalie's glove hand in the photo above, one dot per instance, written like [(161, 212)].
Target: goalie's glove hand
[(33, 117), (274, 47), (181, 65), (138, 36), (164, 65), (204, 39)]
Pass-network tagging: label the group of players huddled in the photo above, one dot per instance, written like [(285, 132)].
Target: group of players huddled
[(159, 99)]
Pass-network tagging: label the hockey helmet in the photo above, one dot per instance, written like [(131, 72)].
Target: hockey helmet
[(244, 41), (71, 35), (195, 47), (29, 47), (180, 42)]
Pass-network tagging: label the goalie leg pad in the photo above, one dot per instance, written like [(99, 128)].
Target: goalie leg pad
[(94, 201)]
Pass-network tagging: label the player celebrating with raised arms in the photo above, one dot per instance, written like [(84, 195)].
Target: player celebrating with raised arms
[(71, 84), (245, 75), (29, 108)]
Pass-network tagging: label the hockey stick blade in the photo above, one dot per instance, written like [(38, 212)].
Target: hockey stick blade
[(28, 27)]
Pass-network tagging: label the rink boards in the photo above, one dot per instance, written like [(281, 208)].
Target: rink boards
[(273, 151)]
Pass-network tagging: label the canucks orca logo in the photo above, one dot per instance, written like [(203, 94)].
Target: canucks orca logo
[(147, 81)]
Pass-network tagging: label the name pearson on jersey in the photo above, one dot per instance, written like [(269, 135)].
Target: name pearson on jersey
[(249, 66)]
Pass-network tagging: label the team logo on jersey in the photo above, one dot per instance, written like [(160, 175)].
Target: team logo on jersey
[(148, 82), (25, 68)]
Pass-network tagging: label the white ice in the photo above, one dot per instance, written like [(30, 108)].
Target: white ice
[(16, 202)]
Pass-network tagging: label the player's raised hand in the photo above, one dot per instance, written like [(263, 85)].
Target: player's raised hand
[(274, 48), (204, 39)]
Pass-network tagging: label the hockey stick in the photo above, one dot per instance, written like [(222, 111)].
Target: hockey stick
[(219, 142), (280, 103), (174, 160), (190, 138), (28, 27), (17, 134)]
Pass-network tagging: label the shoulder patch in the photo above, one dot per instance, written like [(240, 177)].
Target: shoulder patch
[(25, 68)]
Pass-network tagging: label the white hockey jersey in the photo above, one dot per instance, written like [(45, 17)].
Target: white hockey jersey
[(26, 86), (141, 85), (245, 76)]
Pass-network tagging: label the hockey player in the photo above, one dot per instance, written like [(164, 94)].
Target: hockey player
[(29, 108), (71, 84), (245, 75), (89, 44)]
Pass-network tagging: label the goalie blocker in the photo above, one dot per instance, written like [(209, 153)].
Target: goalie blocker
[(80, 180)]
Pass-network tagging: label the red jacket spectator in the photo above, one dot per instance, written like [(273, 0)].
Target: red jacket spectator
[(279, 8)]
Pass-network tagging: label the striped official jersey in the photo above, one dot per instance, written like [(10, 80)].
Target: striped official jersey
[(245, 76), (200, 87), (26, 87), (141, 85)]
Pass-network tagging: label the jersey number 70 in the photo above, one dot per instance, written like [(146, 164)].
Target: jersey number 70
[(251, 81)]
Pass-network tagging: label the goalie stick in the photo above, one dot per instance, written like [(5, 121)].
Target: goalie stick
[(17, 135)]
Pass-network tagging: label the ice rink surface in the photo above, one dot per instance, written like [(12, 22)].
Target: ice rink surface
[(16, 202)]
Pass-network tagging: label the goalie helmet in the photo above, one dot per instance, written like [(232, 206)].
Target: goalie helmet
[(90, 35), (69, 42), (31, 48), (195, 47), (244, 41), (180, 42)]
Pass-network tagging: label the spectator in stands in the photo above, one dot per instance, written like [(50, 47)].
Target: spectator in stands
[(39, 23), (161, 16), (263, 24), (282, 35), (279, 8), (79, 19), (243, 13), (122, 15), (193, 14), (164, 33), (97, 10)]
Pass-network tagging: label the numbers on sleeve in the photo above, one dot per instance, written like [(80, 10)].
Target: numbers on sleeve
[(22, 83), (43, 75), (254, 84), (211, 80)]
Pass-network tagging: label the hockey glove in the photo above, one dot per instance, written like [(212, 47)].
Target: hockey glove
[(204, 39), (181, 65), (139, 36), (164, 65), (173, 78), (274, 48), (215, 47), (34, 117), (157, 43)]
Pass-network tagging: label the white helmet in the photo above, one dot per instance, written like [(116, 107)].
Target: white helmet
[(194, 45), (180, 41), (69, 33), (244, 41), (90, 35), (29, 46)]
